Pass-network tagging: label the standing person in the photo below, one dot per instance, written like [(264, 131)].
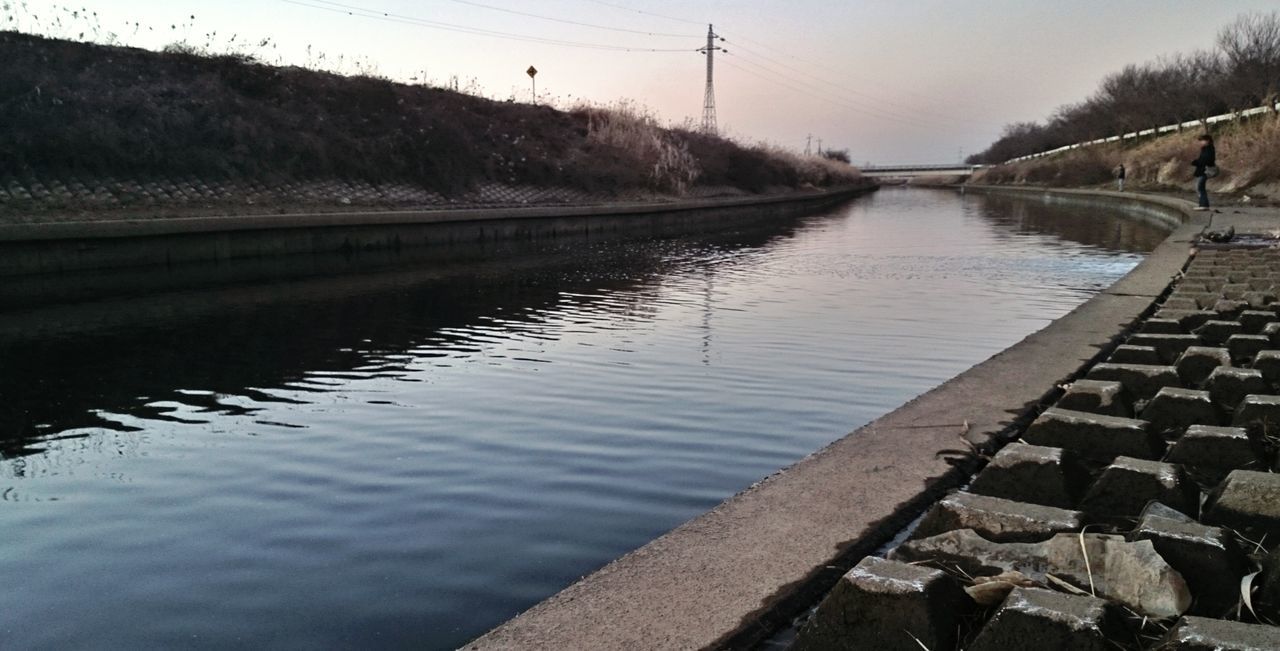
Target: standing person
[(1207, 159), (1120, 177)]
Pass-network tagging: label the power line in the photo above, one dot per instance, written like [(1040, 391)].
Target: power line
[(742, 49), (830, 68), (650, 13), (360, 12), (573, 22), (811, 90), (792, 85)]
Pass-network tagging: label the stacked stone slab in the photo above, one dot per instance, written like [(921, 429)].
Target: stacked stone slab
[(1171, 443)]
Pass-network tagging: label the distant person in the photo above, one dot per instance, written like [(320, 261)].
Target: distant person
[(1120, 178), (1206, 166)]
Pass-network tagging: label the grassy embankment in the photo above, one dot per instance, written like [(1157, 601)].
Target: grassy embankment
[(1248, 155), (76, 113)]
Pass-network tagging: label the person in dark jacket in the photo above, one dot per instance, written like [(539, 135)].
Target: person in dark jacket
[(1206, 159), (1120, 177)]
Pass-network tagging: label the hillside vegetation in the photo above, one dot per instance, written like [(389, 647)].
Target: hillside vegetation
[(82, 110)]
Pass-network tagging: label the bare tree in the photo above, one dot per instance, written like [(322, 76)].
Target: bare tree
[(1250, 47)]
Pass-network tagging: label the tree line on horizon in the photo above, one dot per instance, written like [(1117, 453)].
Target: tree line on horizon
[(1241, 71)]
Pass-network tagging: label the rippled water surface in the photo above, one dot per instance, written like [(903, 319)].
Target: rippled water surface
[(408, 457)]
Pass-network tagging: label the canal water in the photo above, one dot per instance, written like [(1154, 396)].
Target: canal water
[(407, 457)]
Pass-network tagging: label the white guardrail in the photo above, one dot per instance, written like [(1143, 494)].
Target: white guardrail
[(1153, 131)]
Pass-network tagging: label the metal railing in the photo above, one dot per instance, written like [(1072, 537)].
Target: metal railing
[(1154, 131)]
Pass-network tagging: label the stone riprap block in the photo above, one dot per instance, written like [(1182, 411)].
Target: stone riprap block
[(1237, 288), (1254, 321), (1127, 485), (1155, 326), (1267, 599), (1173, 410), (1141, 380), (1216, 332), (997, 519), (1131, 573), (1169, 347), (1261, 412), (1214, 447), (1096, 397), (1248, 501), (1207, 557), (1244, 348), (1267, 362), (1228, 386), (1198, 362), (883, 604), (1229, 309), (1189, 319), (1041, 475), (1094, 436), (1258, 300), (1204, 634), (1272, 332), (1128, 354), (1032, 618), (1183, 302)]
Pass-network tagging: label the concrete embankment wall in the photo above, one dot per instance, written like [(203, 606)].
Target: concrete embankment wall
[(730, 577), (62, 247)]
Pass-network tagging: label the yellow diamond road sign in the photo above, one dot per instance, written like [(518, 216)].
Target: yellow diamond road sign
[(532, 71)]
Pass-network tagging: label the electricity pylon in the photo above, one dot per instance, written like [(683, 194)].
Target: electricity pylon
[(709, 98)]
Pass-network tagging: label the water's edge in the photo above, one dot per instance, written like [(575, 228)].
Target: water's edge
[(731, 576)]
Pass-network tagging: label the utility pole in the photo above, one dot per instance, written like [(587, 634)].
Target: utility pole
[(807, 142), (709, 98), (819, 146)]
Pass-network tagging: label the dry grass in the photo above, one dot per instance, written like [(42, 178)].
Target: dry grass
[(1248, 155), (79, 110), (666, 159)]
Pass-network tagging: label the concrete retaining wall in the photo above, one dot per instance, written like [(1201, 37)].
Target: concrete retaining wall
[(46, 248), (735, 574)]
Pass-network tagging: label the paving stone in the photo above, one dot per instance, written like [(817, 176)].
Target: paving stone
[(1197, 362), (1096, 397), (1228, 386), (1135, 355), (1216, 332), (883, 604), (1207, 557), (1141, 380), (1031, 473), (1267, 362), (997, 519), (1169, 347), (1131, 573), (1094, 435), (1173, 410), (1032, 618), (1247, 501), (1254, 321), (1214, 447), (1204, 634), (1244, 348), (1127, 485), (1158, 326)]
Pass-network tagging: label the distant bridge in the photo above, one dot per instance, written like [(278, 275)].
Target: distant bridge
[(908, 171)]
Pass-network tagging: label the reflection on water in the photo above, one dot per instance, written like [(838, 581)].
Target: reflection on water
[(407, 457)]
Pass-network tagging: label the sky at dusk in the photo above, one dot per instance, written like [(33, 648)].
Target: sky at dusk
[(892, 82)]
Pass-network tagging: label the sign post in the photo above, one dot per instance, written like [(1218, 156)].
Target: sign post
[(532, 72)]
